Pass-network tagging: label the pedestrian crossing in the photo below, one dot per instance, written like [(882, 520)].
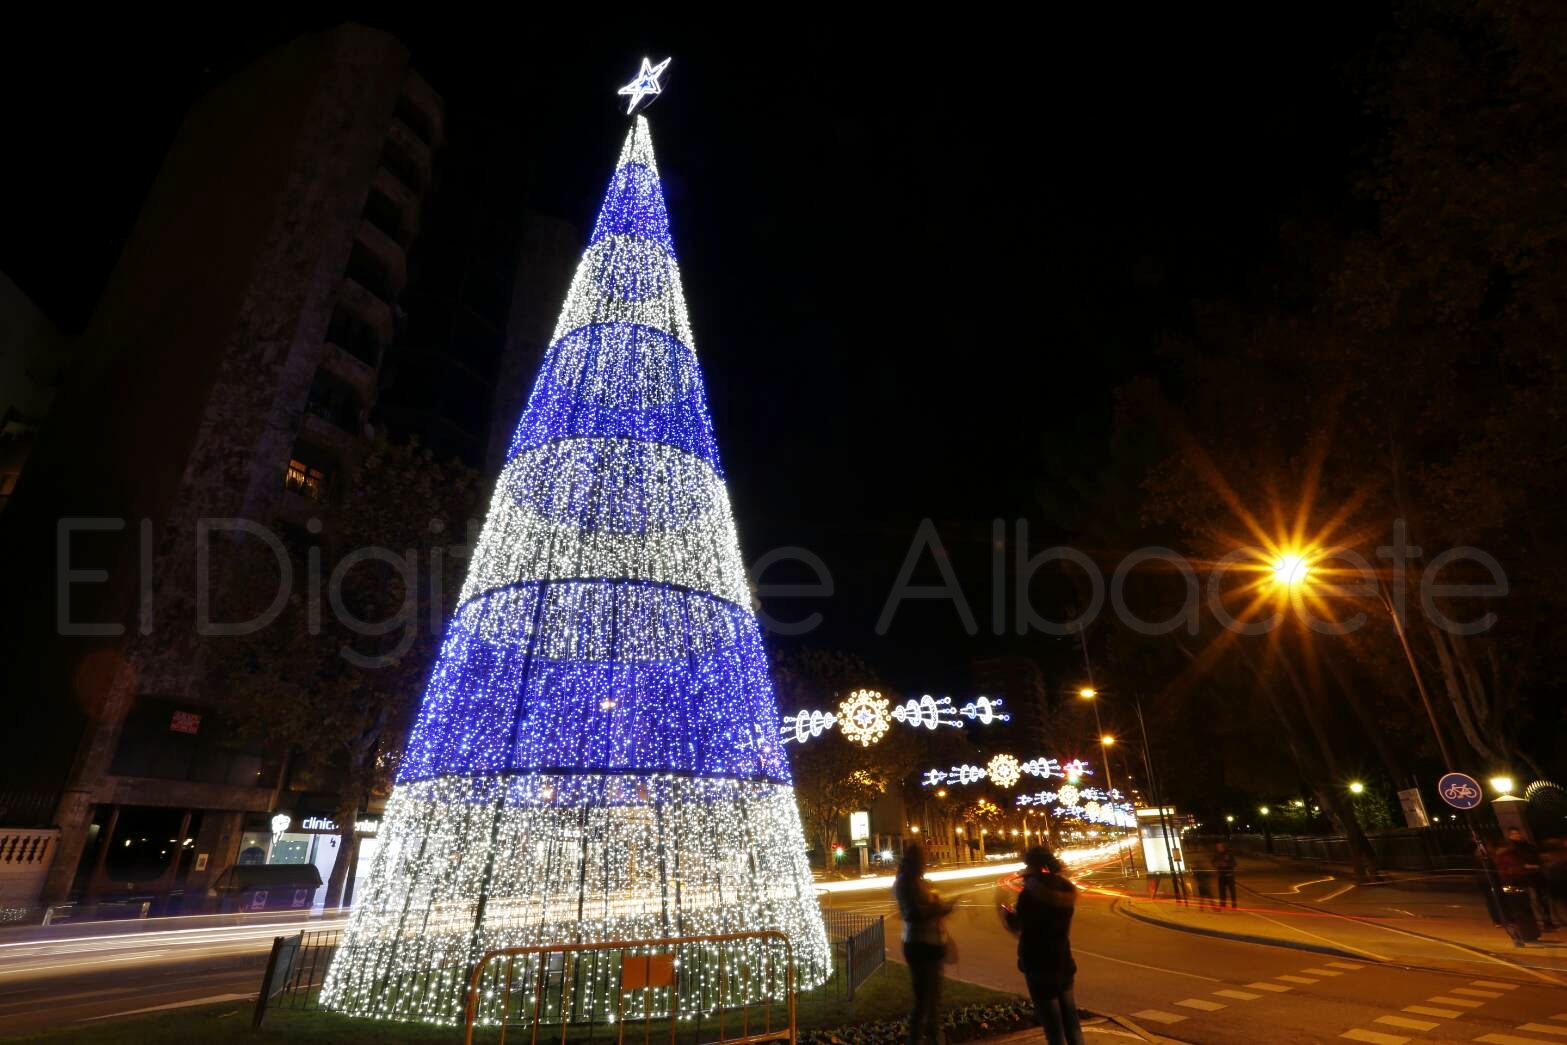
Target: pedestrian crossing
[(1436, 1013), (1164, 1017), (1454, 1004)]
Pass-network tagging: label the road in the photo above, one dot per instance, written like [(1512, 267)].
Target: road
[(1199, 989), (72, 974), (1181, 986)]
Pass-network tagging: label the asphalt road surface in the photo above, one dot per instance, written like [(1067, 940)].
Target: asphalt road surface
[(1173, 984), (77, 974), (1200, 989)]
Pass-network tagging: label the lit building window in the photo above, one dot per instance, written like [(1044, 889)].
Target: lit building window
[(304, 479)]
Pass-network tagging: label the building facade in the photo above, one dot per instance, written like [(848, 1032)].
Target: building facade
[(229, 371)]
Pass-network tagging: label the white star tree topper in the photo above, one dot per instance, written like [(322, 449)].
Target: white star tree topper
[(645, 84)]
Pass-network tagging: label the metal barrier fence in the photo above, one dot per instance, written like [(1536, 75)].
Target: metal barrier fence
[(295, 970), (1433, 849), (859, 943), (679, 983)]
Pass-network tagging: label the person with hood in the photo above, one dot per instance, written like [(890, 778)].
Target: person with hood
[(924, 943), (1042, 920)]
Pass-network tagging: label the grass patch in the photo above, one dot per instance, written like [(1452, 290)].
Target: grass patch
[(882, 998)]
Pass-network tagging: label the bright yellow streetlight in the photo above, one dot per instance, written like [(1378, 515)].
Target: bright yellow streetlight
[(1263, 810), (1502, 785), (915, 829), (1290, 569), (1088, 693), (1107, 740), (1357, 788)]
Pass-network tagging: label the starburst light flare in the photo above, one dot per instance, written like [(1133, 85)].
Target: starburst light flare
[(597, 755)]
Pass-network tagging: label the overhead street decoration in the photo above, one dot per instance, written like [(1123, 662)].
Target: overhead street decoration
[(864, 717)]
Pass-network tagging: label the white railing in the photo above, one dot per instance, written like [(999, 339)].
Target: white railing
[(25, 856)]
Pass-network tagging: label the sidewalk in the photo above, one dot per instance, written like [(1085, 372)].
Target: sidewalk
[(1290, 904)]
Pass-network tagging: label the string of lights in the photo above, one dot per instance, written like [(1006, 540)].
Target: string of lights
[(597, 756), (1005, 770), (864, 715)]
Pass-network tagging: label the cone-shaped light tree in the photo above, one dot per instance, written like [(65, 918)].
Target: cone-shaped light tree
[(596, 757)]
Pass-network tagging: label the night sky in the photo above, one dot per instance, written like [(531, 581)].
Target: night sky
[(917, 264)]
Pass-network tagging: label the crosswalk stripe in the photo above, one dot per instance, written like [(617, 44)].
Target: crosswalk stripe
[(1406, 1023), (1509, 1039), (1237, 995), (1494, 985), (1260, 985), (1321, 972), (1374, 1037), (1464, 1003), (1475, 992), (1426, 1010), (1202, 1003), (1295, 979), (1544, 1028), (1346, 966), (1158, 1017)]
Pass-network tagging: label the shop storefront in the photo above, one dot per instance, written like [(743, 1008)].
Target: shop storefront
[(311, 838)]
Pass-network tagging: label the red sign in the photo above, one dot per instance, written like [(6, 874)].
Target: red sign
[(185, 722)]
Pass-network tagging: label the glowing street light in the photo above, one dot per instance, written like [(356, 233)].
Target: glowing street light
[(1088, 693), (1502, 785), (1290, 570), (1229, 818), (1264, 810), (1357, 788), (1107, 740)]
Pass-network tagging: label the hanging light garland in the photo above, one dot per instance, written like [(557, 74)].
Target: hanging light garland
[(871, 707)]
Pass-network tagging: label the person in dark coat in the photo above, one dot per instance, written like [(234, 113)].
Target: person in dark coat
[(1043, 921), (1224, 867), (924, 943)]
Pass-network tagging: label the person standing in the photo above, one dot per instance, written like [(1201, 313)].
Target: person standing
[(1043, 921), (1224, 867), (924, 943)]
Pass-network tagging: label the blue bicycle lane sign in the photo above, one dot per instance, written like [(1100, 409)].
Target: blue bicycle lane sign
[(1459, 790)]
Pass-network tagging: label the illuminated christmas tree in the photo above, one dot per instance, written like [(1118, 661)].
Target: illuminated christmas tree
[(597, 755)]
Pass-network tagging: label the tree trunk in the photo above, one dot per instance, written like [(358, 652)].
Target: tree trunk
[(347, 814)]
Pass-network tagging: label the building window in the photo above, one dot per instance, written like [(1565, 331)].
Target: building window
[(334, 402), (386, 216), (354, 336), (368, 272), (305, 480), (417, 120), (395, 158)]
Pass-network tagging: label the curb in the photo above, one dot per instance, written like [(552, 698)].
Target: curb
[(1221, 934)]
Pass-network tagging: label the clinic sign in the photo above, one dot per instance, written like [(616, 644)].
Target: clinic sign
[(325, 825)]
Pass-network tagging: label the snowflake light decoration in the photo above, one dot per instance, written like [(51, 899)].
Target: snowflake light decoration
[(1004, 771), (864, 717), (1067, 796)]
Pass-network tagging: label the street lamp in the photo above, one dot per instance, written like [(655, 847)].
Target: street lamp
[(1263, 810), (1357, 788), (1502, 785), (1290, 569)]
